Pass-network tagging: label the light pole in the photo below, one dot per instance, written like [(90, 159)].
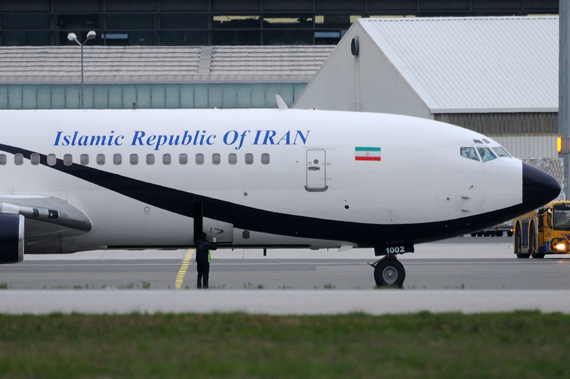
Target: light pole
[(73, 37)]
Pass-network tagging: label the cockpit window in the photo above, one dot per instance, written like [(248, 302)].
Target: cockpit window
[(486, 154), (501, 152), (470, 153)]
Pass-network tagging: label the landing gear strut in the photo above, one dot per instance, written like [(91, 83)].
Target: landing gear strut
[(389, 272)]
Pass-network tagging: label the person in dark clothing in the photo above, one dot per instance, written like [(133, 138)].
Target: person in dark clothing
[(203, 248)]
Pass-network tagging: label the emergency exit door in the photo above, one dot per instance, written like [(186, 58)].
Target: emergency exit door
[(316, 170)]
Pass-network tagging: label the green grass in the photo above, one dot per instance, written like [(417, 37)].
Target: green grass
[(510, 345)]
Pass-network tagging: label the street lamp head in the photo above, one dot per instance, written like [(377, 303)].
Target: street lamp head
[(72, 37), (91, 35)]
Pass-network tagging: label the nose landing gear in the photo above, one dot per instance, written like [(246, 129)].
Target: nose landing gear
[(389, 272)]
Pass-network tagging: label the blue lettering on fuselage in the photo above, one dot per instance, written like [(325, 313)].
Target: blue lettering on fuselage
[(75, 139), (235, 138)]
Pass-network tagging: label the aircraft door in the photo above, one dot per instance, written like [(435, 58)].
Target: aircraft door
[(316, 170)]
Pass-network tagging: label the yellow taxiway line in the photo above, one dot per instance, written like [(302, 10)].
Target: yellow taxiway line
[(184, 268)]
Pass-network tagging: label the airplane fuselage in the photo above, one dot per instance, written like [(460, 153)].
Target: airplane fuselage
[(252, 178)]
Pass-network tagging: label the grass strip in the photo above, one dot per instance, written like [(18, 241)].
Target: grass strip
[(425, 345)]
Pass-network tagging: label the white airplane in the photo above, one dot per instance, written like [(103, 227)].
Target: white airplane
[(75, 180)]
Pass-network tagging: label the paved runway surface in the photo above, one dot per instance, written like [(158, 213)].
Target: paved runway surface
[(468, 263), (449, 274)]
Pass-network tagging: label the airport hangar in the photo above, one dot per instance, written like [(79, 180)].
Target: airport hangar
[(494, 75)]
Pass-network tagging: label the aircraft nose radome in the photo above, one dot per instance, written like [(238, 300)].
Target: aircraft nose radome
[(538, 187)]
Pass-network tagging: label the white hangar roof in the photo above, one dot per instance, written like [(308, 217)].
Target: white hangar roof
[(161, 64), (442, 65), (489, 64)]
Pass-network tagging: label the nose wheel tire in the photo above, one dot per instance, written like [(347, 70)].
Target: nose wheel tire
[(389, 273)]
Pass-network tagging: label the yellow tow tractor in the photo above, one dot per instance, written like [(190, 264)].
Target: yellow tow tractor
[(545, 231)]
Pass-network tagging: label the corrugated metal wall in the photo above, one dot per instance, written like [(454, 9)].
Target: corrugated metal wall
[(524, 135), (529, 147), (532, 123)]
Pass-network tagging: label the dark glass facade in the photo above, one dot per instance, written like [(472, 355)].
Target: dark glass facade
[(223, 22)]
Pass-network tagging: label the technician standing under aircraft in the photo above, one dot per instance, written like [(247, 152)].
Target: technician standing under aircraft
[(203, 248)]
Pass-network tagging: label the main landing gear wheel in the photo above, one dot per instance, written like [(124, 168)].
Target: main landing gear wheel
[(389, 272)]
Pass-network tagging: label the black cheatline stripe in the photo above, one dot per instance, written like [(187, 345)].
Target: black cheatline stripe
[(248, 218)]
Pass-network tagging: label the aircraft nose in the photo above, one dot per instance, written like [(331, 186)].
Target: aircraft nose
[(538, 187)]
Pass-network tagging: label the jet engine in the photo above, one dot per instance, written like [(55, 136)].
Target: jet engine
[(11, 238)]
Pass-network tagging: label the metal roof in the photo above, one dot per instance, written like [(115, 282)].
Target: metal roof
[(474, 64), (161, 64)]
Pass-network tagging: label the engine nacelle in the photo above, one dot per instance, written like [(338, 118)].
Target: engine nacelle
[(11, 238)]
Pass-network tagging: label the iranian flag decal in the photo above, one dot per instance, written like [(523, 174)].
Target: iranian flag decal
[(367, 154)]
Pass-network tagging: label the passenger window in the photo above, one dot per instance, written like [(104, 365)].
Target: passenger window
[(68, 159), (19, 159), (35, 159), (51, 159), (486, 154), (249, 158), (84, 159), (199, 158), (166, 159), (183, 159), (117, 159), (232, 159), (3, 159), (470, 153), (134, 159), (216, 158), (100, 159), (150, 159), (501, 152), (265, 158)]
